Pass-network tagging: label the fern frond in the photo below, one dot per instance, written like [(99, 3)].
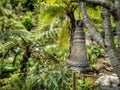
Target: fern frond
[(46, 36), (13, 32), (9, 45), (6, 8), (50, 12), (8, 34), (11, 24)]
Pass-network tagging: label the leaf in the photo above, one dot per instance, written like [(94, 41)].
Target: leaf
[(63, 38), (50, 82), (51, 1), (54, 81)]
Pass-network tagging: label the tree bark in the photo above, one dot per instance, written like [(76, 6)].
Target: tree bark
[(93, 32), (24, 61), (109, 43), (104, 3), (70, 15), (117, 21)]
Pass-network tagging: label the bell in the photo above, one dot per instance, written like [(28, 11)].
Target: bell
[(78, 56)]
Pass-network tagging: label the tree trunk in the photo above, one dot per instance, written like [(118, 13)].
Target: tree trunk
[(117, 21), (91, 29), (107, 44), (24, 61)]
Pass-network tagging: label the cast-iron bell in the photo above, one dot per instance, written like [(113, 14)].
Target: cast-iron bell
[(78, 56)]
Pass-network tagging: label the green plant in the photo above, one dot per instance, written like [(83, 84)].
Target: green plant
[(94, 51), (27, 22)]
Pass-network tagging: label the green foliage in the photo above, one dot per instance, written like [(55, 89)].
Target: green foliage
[(49, 76), (27, 4), (116, 42), (48, 38), (27, 22), (96, 16), (10, 35), (63, 39), (94, 52), (84, 85), (10, 24)]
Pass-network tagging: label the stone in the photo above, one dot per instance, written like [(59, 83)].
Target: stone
[(107, 82)]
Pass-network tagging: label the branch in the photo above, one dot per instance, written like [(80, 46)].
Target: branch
[(104, 3), (70, 14), (109, 43), (117, 21), (22, 38), (110, 48), (93, 32)]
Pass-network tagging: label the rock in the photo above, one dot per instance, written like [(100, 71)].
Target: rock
[(103, 65), (90, 42), (109, 88), (107, 80)]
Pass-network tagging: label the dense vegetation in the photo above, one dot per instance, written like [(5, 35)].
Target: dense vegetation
[(34, 45)]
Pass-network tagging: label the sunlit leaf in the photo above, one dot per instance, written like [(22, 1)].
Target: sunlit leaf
[(51, 1)]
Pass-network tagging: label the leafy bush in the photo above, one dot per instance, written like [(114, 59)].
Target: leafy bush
[(27, 22), (94, 51)]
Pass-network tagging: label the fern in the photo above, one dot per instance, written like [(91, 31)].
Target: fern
[(5, 11), (50, 12), (10, 33), (11, 24), (46, 36)]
